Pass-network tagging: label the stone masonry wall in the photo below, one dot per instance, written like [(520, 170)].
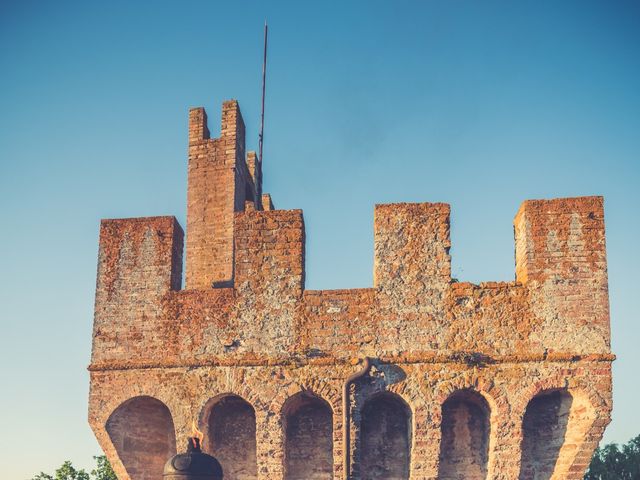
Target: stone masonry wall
[(501, 380)]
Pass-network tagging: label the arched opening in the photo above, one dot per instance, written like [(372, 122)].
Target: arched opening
[(308, 422), (543, 432), (465, 428), (232, 437), (142, 432), (385, 431)]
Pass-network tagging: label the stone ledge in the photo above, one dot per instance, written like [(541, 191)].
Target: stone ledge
[(435, 358)]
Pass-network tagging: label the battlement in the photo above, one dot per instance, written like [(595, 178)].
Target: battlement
[(558, 303), (506, 355), (237, 240)]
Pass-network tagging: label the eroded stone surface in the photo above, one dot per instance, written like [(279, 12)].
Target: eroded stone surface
[(245, 329)]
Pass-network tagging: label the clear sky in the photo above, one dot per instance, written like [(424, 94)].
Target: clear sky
[(479, 104)]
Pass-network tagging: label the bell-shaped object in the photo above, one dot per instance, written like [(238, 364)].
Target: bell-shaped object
[(192, 465)]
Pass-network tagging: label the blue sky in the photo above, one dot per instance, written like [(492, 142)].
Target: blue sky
[(478, 104)]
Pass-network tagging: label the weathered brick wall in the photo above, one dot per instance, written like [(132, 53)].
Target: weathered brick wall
[(139, 261), (561, 256), (464, 447), (231, 435), (384, 444), (142, 433), (544, 428), (219, 182), (501, 380), (308, 423)]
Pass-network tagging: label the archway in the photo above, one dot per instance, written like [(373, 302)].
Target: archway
[(543, 433), (385, 438), (464, 445), (308, 422), (142, 432), (232, 437)]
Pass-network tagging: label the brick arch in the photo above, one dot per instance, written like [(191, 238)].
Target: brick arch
[(386, 437), (308, 430), (580, 430), (229, 423), (233, 384), (205, 409), (143, 435), (496, 398), (313, 386), (409, 392), (316, 387), (588, 430), (132, 390), (555, 382), (390, 393), (308, 393), (466, 438)]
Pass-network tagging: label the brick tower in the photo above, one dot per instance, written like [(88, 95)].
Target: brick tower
[(420, 377)]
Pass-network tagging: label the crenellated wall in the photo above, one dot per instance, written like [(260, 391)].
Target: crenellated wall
[(465, 379)]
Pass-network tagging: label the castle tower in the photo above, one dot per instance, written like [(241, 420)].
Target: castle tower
[(419, 377), (221, 182)]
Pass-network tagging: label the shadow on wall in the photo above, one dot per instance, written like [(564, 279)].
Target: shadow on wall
[(142, 432), (544, 428), (308, 425), (231, 428), (464, 448), (143, 435), (386, 438)]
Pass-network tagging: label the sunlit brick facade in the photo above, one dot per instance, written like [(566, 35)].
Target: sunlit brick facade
[(501, 380)]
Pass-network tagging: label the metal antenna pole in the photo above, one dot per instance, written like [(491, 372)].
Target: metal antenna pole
[(264, 85)]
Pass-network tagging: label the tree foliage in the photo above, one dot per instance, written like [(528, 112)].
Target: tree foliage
[(67, 471), (612, 462), (103, 470)]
